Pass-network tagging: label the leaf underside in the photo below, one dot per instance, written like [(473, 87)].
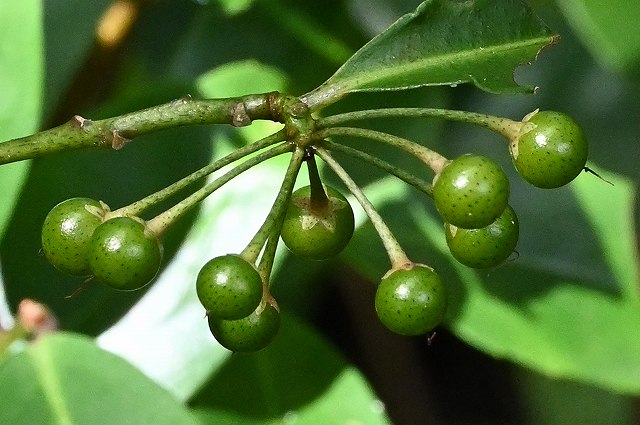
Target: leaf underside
[(443, 42)]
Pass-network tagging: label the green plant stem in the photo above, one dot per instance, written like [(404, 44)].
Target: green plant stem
[(318, 197), (142, 205), (409, 178), (504, 126), (431, 158), (275, 218), (160, 223), (397, 256), (269, 255), (115, 132)]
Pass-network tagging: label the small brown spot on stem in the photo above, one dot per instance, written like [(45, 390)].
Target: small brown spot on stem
[(117, 141), (78, 121), (239, 116)]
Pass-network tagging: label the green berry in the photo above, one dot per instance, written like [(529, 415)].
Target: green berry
[(486, 247), (551, 150), (229, 287), (251, 333), (471, 191), (124, 254), (317, 233), (67, 231), (411, 301)]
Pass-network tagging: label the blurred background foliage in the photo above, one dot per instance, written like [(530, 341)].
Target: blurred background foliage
[(550, 338)]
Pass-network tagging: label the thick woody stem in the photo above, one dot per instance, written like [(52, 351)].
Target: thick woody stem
[(115, 132)]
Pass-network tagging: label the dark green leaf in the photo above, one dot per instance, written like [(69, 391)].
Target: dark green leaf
[(69, 380), (443, 42), (68, 41)]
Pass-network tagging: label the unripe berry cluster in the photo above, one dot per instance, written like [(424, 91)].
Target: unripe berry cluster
[(82, 237), (79, 239)]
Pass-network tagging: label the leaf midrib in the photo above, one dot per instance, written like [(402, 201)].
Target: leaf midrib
[(459, 56), (49, 380)]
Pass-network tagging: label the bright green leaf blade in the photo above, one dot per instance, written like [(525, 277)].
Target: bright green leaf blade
[(608, 29), (21, 76), (612, 223), (69, 380), (443, 42), (299, 379)]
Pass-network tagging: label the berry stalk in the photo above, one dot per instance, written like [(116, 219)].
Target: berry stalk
[(138, 207), (409, 178), (273, 222), (504, 126), (160, 223), (318, 197), (397, 256), (431, 158)]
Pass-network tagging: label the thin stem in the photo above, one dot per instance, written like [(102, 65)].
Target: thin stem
[(160, 223), (318, 197), (276, 215), (268, 256), (409, 178), (115, 132), (396, 254), (431, 158), (504, 126), (140, 206)]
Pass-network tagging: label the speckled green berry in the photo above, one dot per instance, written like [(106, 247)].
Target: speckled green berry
[(229, 287), (251, 333), (123, 254), (411, 301), (551, 149), (317, 234), (471, 191), (487, 247), (67, 231)]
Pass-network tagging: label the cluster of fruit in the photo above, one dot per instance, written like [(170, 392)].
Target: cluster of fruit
[(82, 237)]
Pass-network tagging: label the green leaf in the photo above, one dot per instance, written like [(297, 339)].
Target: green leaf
[(608, 29), (69, 380), (443, 42), (297, 379), (21, 77)]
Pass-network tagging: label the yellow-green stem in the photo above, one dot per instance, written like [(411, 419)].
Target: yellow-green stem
[(142, 205), (504, 126), (318, 197), (396, 254), (115, 132), (409, 178), (159, 224), (431, 158), (275, 218)]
